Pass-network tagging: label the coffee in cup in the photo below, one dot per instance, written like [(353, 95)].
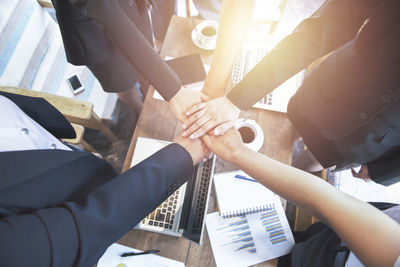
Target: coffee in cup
[(208, 31), (204, 35), (247, 134)]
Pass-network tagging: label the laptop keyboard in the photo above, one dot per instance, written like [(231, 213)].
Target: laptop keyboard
[(201, 199), (248, 57), (163, 216)]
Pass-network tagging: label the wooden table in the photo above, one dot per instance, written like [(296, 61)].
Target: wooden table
[(156, 121)]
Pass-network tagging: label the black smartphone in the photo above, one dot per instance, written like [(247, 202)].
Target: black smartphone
[(75, 84), (190, 69)]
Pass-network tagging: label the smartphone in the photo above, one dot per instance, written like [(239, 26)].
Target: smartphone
[(75, 85)]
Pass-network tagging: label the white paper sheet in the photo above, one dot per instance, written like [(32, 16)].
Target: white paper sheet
[(249, 239), (112, 258)]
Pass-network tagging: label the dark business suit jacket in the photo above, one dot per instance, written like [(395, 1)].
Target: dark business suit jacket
[(64, 208), (347, 107), (92, 28)]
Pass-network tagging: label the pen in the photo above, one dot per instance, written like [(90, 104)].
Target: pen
[(139, 253), (245, 178)]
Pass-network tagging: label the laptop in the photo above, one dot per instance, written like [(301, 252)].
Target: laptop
[(278, 99), (183, 212)]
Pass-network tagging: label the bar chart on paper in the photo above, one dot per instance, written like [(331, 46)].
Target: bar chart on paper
[(270, 220), (238, 235), (251, 238)]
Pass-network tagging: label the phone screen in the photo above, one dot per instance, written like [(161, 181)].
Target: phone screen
[(75, 83)]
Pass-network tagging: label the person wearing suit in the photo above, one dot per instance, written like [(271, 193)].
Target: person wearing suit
[(60, 207), (347, 107), (115, 40)]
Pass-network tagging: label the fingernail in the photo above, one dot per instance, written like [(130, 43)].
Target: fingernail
[(202, 105), (187, 113), (193, 136), (184, 126), (216, 132), (184, 134)]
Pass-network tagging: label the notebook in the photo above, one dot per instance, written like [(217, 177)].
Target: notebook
[(251, 227), (239, 196)]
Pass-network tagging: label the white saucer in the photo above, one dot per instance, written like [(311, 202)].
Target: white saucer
[(197, 42)]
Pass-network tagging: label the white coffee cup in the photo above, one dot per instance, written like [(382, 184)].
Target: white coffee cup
[(251, 133), (204, 35)]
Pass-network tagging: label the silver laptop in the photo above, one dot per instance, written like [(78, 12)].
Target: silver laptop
[(278, 99), (182, 213)]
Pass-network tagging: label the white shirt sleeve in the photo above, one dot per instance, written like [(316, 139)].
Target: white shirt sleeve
[(19, 132)]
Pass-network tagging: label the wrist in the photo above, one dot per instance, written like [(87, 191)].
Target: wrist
[(175, 97), (238, 154)]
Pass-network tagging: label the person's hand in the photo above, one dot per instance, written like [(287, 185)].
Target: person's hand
[(218, 114), (196, 148), (362, 174), (227, 146), (184, 99)]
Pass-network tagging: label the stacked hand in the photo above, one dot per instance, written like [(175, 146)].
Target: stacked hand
[(218, 114), (196, 148), (227, 146), (184, 99), (201, 116)]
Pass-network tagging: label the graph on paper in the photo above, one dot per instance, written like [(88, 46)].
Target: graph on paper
[(238, 234), (273, 226), (250, 239)]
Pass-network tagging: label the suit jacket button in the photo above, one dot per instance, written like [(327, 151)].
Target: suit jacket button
[(24, 131), (363, 115), (386, 98)]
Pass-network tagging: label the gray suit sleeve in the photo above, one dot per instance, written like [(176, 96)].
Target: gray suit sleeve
[(134, 46), (386, 169), (332, 25)]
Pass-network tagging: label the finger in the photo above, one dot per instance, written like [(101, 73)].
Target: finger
[(203, 129), (206, 139), (193, 118), (204, 97), (195, 126), (355, 174), (223, 128), (195, 108)]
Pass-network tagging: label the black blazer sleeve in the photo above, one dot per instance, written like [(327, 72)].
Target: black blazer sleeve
[(332, 25), (77, 234), (386, 169), (134, 46)]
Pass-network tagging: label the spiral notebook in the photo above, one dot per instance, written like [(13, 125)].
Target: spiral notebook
[(239, 194)]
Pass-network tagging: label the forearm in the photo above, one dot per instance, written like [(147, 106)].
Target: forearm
[(233, 24), (134, 46), (286, 181), (365, 235), (76, 233), (327, 29)]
